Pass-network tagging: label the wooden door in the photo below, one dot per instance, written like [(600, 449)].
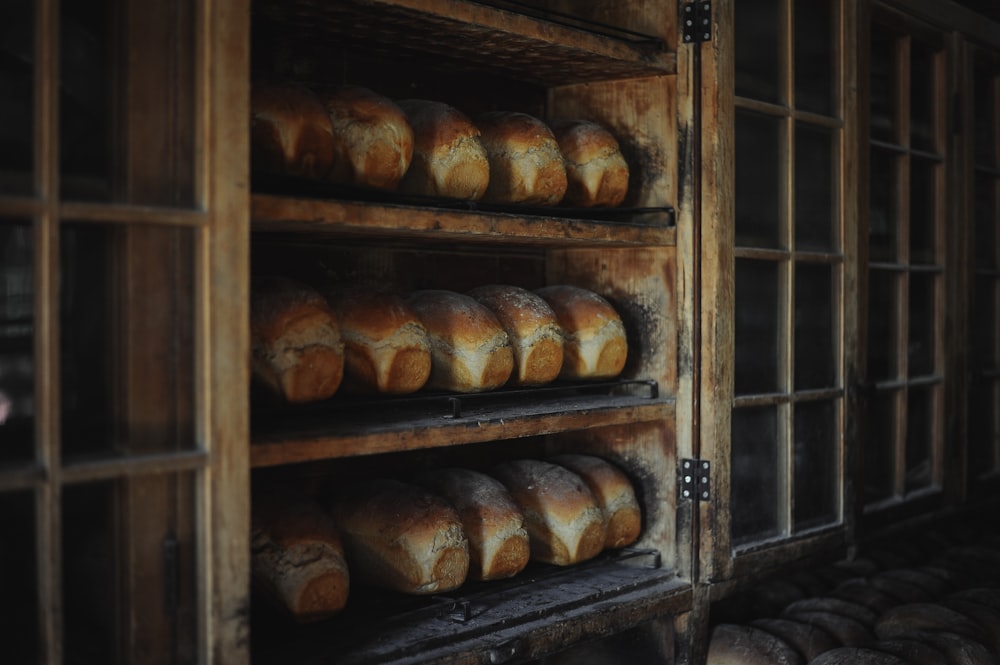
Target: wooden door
[(122, 300), (779, 293)]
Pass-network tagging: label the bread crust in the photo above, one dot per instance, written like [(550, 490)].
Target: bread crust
[(296, 349), (297, 557), (564, 523), (402, 537), (372, 139), (470, 350), (449, 159), (290, 131), (594, 339), (493, 524), (614, 493), (535, 335), (386, 347), (525, 163), (596, 171)]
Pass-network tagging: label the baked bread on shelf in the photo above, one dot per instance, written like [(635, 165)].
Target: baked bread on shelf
[(525, 163), (614, 493), (448, 157), (596, 171), (290, 131), (594, 338), (470, 350), (296, 349), (372, 139), (534, 332)]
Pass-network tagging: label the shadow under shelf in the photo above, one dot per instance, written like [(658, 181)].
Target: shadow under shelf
[(347, 426)]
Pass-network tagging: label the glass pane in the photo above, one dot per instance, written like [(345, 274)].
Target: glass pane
[(883, 221), (18, 579), (756, 327), (757, 56), (880, 442), (920, 424), (17, 63), (815, 228), (127, 348), (127, 133), (882, 325), (817, 463), (884, 85), (814, 56), (985, 116), (922, 212), (923, 97), (757, 180), (922, 324), (984, 432), (17, 359), (755, 474), (987, 218), (815, 314), (134, 536), (984, 330)]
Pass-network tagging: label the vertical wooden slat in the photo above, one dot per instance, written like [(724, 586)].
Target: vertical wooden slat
[(223, 300), (46, 344), (786, 271), (902, 194)]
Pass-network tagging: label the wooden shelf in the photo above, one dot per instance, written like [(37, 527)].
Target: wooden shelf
[(546, 49), (347, 429), (284, 214), (488, 622)]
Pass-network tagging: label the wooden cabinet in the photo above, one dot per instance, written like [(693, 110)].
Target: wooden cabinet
[(806, 265)]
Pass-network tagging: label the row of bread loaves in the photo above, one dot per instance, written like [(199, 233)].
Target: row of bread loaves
[(305, 345), (431, 534), (354, 136)]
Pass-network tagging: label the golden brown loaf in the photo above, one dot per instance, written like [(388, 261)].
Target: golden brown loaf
[(614, 493), (494, 525), (535, 335), (448, 158), (386, 349), (525, 163), (297, 353), (596, 170), (290, 131), (402, 537), (595, 345), (297, 558), (372, 140), (470, 351), (564, 523)]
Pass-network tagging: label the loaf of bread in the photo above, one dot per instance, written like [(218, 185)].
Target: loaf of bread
[(807, 639), (857, 656), (564, 523), (386, 349), (534, 332), (402, 537), (470, 350), (596, 171), (594, 341), (735, 644), (493, 524), (297, 353), (372, 140), (290, 132), (448, 158), (525, 163), (614, 493), (297, 558)]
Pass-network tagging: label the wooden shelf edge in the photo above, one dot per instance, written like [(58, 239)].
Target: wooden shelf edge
[(299, 447), (281, 214)]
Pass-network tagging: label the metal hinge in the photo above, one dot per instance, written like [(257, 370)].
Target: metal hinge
[(695, 477), (696, 20)]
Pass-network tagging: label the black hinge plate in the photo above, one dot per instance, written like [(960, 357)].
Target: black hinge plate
[(695, 477), (696, 20)]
